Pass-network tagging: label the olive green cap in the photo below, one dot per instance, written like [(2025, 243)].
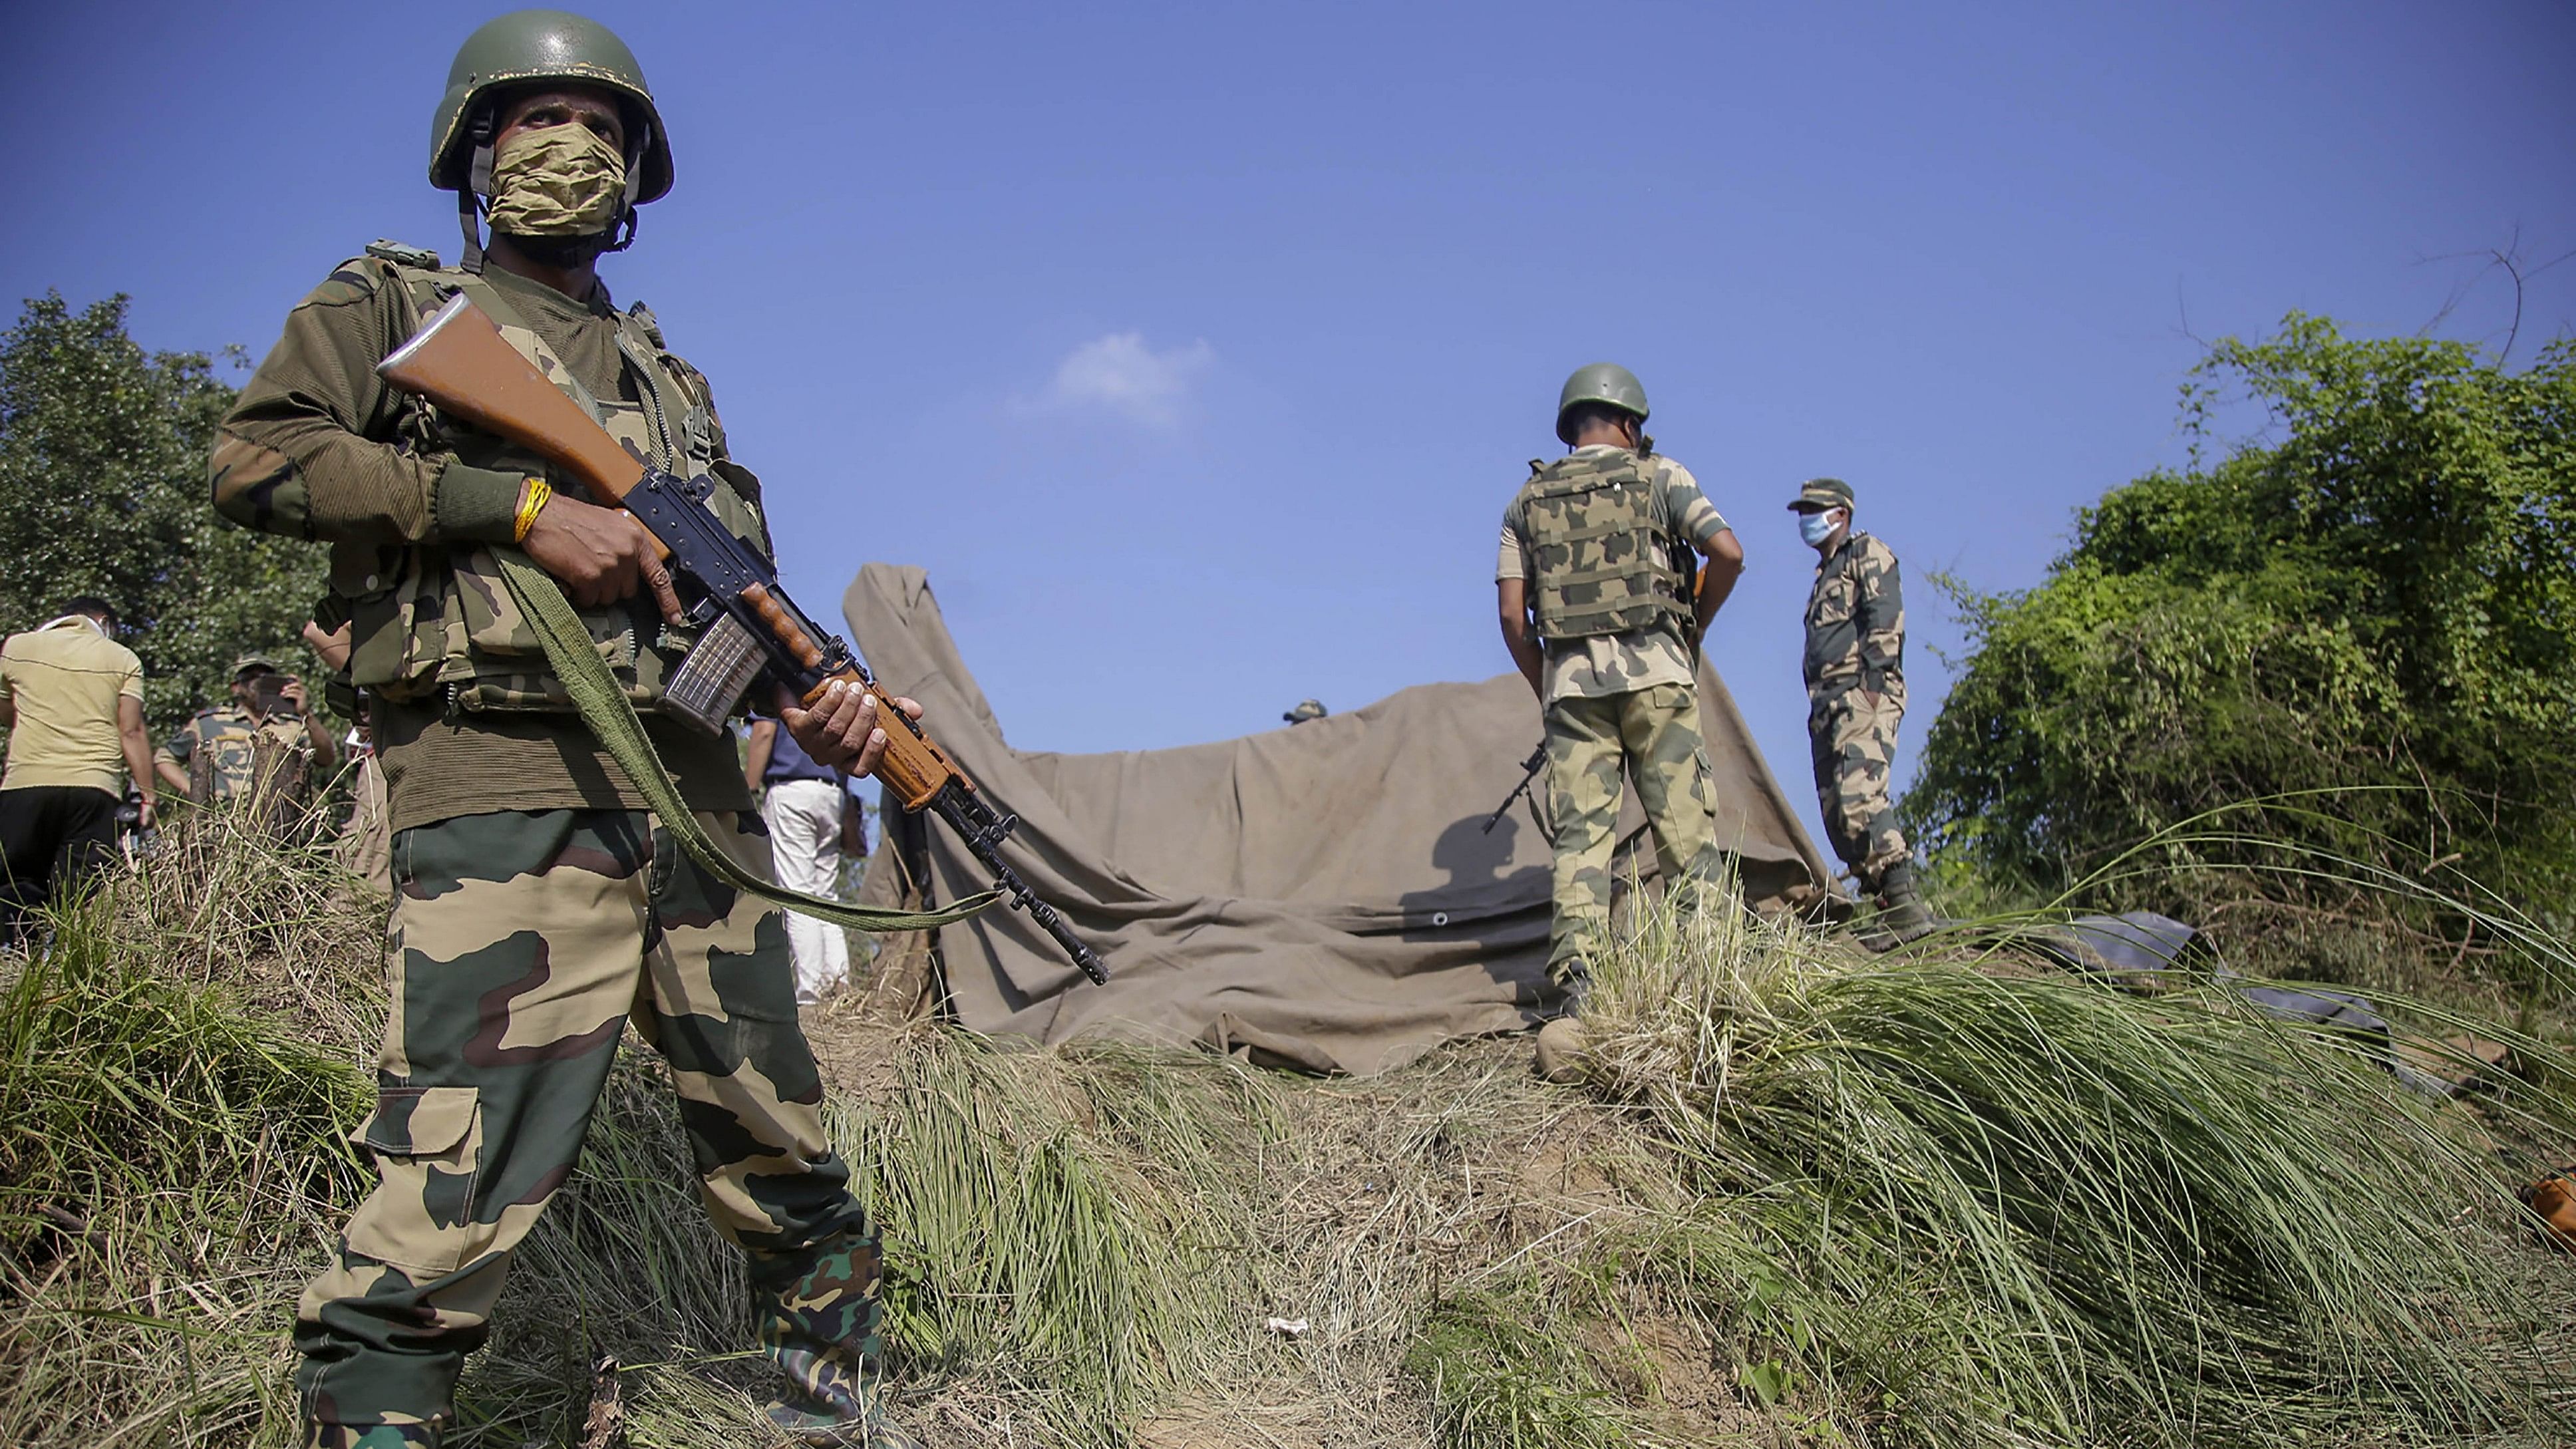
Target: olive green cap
[(249, 662), (1822, 495), (1602, 382), (541, 45)]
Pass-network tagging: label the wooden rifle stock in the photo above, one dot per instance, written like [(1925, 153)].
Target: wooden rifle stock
[(461, 362)]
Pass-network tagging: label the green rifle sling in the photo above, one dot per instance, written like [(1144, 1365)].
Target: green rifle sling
[(611, 716)]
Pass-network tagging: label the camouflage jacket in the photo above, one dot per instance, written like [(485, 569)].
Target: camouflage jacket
[(414, 503), (228, 756), (1856, 621)]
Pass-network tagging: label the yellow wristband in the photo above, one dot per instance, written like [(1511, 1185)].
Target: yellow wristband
[(529, 502)]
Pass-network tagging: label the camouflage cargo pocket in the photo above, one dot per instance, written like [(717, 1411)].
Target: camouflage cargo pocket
[(400, 617), (428, 1147), (496, 628), (1833, 603)]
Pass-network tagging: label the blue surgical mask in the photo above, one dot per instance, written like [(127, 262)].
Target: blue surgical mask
[(1815, 528)]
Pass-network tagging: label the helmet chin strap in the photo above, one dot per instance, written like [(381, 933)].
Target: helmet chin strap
[(478, 184), (622, 231)]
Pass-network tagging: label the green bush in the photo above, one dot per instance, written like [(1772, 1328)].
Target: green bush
[(2352, 633)]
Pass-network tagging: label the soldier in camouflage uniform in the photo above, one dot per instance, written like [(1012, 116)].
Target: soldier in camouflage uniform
[(1598, 606), (540, 910), (1855, 668), (243, 749)]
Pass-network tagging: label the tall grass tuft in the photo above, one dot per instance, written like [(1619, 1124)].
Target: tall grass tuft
[(167, 1161), (1028, 1238), (2101, 1218)]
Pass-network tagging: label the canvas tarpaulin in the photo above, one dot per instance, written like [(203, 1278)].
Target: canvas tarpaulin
[(1320, 895)]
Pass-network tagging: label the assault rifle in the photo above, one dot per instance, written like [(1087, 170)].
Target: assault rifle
[(1529, 776), (459, 361)]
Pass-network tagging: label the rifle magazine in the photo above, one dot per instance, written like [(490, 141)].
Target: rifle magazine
[(707, 685)]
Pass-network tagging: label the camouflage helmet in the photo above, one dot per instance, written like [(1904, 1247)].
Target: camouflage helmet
[(1602, 382), (544, 45)]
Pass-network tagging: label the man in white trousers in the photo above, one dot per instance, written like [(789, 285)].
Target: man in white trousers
[(803, 803)]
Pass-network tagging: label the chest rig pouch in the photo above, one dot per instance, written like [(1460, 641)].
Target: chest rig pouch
[(1603, 562), (437, 620)]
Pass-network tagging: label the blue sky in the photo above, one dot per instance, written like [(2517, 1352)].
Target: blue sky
[(1195, 350)]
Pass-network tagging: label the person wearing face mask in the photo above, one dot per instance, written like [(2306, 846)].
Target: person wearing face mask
[(1600, 609), (539, 908), (1855, 668)]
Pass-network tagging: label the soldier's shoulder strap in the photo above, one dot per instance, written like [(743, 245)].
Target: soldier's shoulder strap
[(421, 258), (639, 323), (1875, 546), (1583, 472)]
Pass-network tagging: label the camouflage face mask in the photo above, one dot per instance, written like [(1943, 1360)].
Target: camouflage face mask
[(556, 181)]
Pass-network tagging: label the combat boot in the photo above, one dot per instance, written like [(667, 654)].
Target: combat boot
[(819, 1325), (1559, 1057), (1901, 915), (1573, 977)]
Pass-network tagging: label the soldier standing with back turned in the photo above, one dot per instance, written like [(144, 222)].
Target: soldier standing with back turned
[(1597, 607), (1855, 668), (539, 908)]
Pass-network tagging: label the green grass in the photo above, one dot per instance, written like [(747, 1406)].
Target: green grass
[(1808, 1196), (2107, 1218)]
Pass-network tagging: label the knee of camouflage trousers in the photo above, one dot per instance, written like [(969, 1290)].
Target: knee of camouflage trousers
[(526, 941), (1852, 735), (1594, 746)]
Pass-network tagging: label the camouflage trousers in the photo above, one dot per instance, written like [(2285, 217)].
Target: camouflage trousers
[(525, 943), (1593, 747), (1852, 735)]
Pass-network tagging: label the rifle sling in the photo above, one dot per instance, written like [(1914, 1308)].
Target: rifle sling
[(611, 716)]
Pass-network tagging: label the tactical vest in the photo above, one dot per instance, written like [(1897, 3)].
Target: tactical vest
[(1604, 563), (281, 770), (436, 620), (220, 762)]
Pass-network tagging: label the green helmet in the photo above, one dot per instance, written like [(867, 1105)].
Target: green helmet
[(1602, 382), (542, 45)]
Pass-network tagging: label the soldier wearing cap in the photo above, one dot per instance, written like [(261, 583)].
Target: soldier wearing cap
[(1603, 602), (1855, 669), (539, 907), (264, 740)]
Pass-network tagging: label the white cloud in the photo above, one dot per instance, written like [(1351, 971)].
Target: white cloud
[(1120, 375)]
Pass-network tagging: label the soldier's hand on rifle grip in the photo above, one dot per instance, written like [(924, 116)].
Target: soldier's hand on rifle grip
[(600, 555), (841, 729)]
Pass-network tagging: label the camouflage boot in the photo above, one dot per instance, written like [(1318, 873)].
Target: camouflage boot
[(818, 1323), (1900, 911)]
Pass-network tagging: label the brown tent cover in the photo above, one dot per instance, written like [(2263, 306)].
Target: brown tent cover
[(1321, 896)]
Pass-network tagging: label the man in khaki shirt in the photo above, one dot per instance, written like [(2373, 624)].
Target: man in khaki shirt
[(72, 699)]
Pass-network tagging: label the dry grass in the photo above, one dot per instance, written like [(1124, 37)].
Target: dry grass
[(1089, 1245)]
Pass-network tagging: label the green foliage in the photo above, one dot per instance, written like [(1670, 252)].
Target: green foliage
[(1024, 1242), (1980, 1206), (2376, 600), (1504, 1371), (171, 1157), (103, 491)]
